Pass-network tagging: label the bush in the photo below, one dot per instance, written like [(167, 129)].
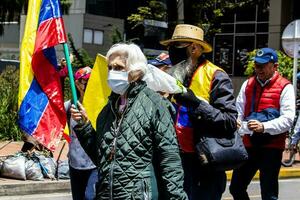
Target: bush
[(285, 65), (9, 85)]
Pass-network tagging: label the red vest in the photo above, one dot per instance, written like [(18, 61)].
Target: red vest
[(265, 97)]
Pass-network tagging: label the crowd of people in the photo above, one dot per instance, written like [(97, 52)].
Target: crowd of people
[(144, 143)]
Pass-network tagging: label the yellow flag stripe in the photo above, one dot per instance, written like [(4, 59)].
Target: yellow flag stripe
[(27, 47)]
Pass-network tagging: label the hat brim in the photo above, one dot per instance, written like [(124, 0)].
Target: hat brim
[(261, 60), (206, 47)]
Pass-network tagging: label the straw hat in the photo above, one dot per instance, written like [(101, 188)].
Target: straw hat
[(188, 33)]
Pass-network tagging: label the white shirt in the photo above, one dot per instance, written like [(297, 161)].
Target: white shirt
[(275, 126)]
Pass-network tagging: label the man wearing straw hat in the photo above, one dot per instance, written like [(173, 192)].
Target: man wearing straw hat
[(208, 108)]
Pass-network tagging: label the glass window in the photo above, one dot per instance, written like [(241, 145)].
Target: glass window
[(243, 45), (261, 41), (227, 28), (88, 36), (245, 28), (98, 37), (223, 52), (246, 14), (262, 27), (263, 12)]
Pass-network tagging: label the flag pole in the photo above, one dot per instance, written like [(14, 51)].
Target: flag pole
[(70, 72)]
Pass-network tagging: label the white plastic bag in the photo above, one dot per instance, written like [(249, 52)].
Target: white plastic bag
[(160, 81), (14, 167), (33, 170)]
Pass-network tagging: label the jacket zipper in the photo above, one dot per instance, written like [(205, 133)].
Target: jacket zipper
[(112, 156)]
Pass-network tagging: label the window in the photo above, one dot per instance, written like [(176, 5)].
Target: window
[(93, 36), (245, 31), (98, 37), (88, 36)]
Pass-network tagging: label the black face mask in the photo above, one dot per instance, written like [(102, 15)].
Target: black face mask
[(177, 54)]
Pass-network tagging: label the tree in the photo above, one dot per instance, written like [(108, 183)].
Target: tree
[(207, 14), (149, 9), (10, 10)]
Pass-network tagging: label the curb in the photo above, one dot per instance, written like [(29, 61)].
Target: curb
[(11, 188), (283, 174)]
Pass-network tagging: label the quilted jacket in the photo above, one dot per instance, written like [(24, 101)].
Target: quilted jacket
[(128, 150)]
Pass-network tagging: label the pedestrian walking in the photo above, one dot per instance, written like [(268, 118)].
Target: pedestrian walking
[(83, 172), (266, 110), (207, 108), (134, 135)]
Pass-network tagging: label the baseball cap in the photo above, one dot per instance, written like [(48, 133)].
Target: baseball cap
[(161, 59), (266, 55), (83, 73)]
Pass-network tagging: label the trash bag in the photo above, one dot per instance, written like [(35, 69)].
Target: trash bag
[(160, 81), (63, 169), (47, 165), (14, 167), (33, 170)]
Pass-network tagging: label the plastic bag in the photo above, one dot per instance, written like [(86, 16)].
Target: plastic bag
[(47, 165), (63, 170), (14, 167), (33, 171), (159, 80)]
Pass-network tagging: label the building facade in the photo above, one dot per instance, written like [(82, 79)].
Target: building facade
[(93, 23)]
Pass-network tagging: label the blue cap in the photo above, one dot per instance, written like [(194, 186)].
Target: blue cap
[(266, 55), (162, 59)]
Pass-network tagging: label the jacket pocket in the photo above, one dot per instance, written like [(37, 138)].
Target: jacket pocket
[(141, 190)]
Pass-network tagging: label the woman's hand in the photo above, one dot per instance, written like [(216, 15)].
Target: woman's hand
[(79, 115)]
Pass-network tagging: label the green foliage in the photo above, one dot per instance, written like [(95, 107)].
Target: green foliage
[(65, 6), (81, 56), (285, 64), (208, 14), (9, 81), (116, 36), (152, 9), (67, 89), (87, 60)]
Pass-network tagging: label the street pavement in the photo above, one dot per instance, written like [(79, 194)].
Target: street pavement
[(16, 189)]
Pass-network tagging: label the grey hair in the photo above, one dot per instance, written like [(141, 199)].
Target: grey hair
[(135, 58)]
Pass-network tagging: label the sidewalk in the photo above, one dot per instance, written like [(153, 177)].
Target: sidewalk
[(10, 187), (285, 172), (13, 147)]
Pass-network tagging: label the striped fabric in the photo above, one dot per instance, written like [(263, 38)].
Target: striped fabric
[(41, 107)]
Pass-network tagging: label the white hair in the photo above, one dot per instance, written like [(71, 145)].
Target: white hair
[(135, 59)]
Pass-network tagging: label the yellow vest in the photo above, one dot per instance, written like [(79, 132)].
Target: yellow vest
[(202, 78)]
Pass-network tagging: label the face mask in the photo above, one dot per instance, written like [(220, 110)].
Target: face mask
[(177, 54), (118, 81)]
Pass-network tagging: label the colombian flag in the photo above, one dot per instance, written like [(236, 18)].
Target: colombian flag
[(41, 104)]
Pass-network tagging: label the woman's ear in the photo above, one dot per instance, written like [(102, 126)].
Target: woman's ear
[(135, 75)]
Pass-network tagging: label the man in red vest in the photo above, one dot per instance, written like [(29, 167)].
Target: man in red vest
[(266, 107)]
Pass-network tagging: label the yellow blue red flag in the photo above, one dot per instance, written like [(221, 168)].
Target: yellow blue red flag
[(41, 104), (97, 90)]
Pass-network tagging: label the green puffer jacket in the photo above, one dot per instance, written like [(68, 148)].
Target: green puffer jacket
[(129, 150)]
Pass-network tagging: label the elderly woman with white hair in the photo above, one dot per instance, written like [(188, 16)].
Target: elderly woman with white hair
[(134, 145)]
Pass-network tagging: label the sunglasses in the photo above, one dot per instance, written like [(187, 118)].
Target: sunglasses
[(180, 45)]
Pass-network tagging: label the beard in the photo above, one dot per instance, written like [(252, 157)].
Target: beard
[(182, 70)]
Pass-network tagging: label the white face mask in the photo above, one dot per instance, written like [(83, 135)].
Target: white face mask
[(118, 81)]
